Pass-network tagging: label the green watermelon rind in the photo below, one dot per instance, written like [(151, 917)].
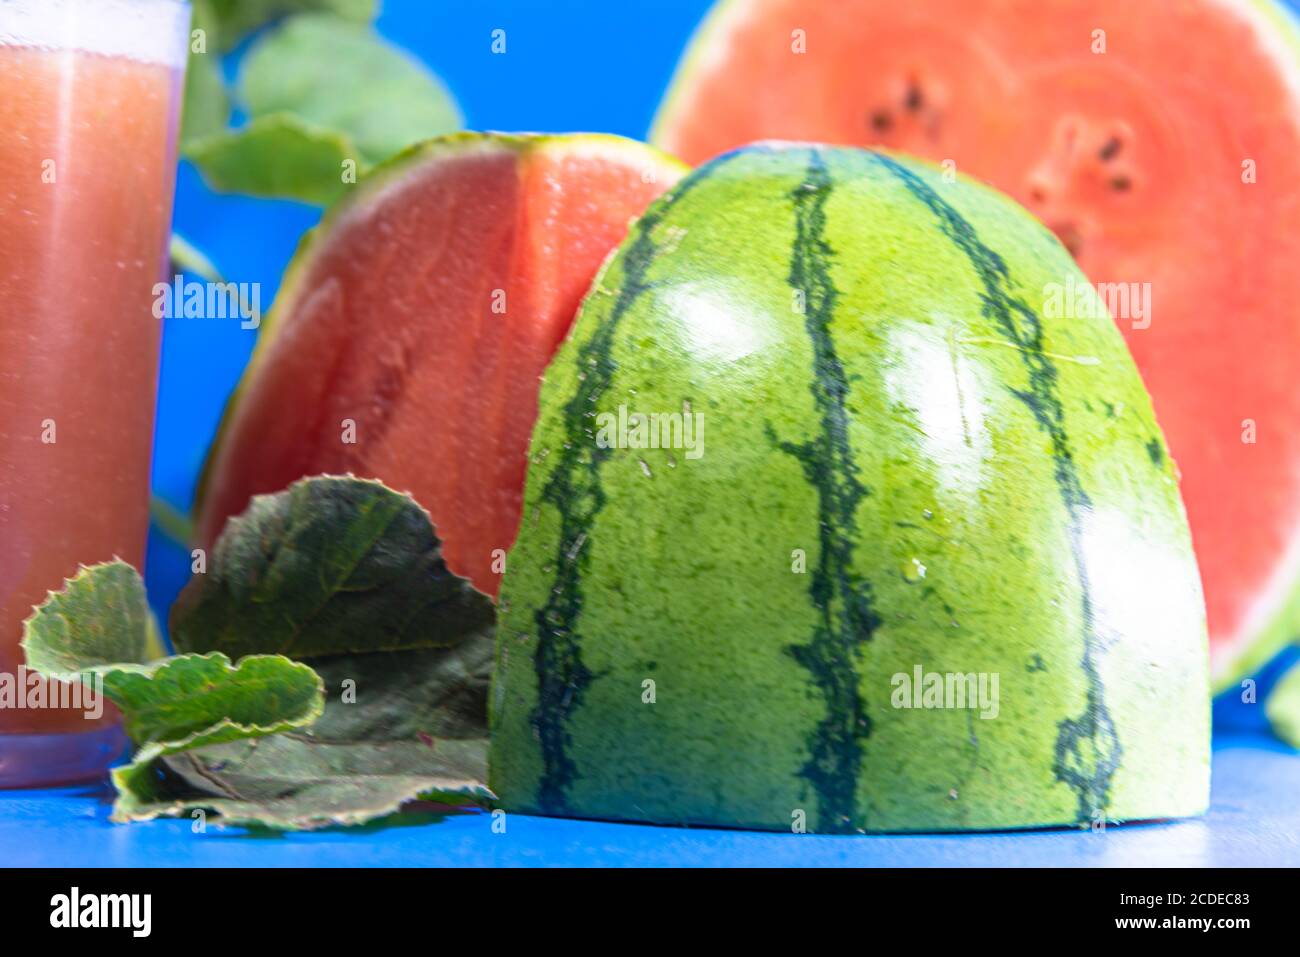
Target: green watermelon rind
[(729, 758)]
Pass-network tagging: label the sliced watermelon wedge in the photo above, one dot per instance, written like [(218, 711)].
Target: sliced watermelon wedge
[(1160, 141), (409, 337)]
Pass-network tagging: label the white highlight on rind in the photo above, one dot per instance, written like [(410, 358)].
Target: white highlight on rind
[(150, 31)]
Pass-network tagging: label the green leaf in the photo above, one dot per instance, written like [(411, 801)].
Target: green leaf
[(206, 106), (235, 18), (287, 782), (1283, 707), (278, 156), (98, 627), (409, 695), (192, 700), (336, 75), (334, 570), (416, 730), (99, 621), (326, 96), (330, 566)]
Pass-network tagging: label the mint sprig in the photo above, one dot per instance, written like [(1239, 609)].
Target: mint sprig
[(326, 99)]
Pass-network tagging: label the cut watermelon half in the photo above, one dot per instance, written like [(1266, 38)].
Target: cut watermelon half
[(1160, 141), (409, 338)]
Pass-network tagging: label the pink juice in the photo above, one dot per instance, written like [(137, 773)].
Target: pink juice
[(89, 96)]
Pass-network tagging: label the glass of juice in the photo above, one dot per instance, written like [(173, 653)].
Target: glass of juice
[(89, 103)]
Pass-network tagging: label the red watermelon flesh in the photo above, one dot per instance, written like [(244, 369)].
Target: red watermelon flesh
[(1160, 141), (411, 332)]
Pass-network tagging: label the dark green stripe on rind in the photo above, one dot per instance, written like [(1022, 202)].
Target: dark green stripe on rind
[(1088, 751), (574, 490), (846, 619)]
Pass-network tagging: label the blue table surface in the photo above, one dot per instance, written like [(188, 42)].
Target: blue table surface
[(1254, 820)]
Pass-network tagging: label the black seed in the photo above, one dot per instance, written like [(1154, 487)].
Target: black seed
[(1111, 149), (1121, 184), (882, 121), (915, 99)]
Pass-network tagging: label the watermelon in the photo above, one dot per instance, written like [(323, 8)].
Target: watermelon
[(829, 525), (1160, 141), (412, 328)]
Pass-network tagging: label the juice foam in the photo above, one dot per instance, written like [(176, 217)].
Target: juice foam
[(150, 31)]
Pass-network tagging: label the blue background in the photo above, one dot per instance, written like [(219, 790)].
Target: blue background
[(571, 65)]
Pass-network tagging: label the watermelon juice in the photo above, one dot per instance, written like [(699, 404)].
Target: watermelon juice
[(89, 99)]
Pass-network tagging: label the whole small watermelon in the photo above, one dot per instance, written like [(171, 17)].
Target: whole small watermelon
[(846, 511)]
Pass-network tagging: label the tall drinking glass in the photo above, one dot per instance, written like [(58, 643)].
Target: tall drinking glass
[(89, 102)]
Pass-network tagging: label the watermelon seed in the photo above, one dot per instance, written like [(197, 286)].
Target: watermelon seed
[(1109, 151), (1121, 184), (881, 121), (914, 99)]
